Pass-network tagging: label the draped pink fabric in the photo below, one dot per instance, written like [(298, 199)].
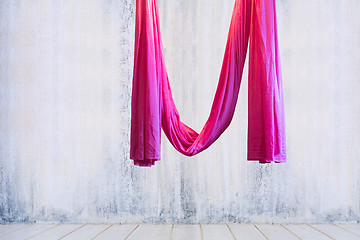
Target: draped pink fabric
[(153, 107)]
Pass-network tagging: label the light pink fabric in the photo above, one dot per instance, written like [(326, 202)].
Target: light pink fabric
[(152, 105)]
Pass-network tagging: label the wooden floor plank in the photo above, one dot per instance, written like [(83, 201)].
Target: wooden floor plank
[(88, 231), (354, 228), (57, 232), (335, 232), (216, 232), (151, 231), (117, 231), (246, 232), (305, 232), (24, 233), (275, 231), (8, 228), (186, 232)]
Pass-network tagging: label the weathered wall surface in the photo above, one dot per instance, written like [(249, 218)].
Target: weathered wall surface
[(65, 88)]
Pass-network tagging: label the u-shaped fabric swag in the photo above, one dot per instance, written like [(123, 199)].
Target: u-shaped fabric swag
[(153, 108)]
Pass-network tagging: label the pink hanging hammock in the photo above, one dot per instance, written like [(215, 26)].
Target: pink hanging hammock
[(153, 108)]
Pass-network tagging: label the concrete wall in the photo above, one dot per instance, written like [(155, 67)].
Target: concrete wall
[(65, 89)]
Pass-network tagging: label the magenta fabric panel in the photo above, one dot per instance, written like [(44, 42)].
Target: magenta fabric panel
[(153, 108)]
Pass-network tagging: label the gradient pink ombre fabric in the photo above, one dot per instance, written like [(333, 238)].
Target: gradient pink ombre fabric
[(153, 108)]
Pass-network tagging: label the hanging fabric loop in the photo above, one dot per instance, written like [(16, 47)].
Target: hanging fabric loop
[(153, 107)]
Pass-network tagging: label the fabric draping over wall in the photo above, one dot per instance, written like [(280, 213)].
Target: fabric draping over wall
[(153, 107)]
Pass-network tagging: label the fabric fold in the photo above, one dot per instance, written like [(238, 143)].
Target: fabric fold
[(153, 107)]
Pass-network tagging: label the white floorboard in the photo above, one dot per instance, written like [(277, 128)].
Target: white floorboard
[(335, 232), (354, 228), (305, 232), (88, 231), (186, 232), (27, 232), (8, 228), (117, 231), (246, 232), (276, 232), (216, 232), (57, 232), (151, 232)]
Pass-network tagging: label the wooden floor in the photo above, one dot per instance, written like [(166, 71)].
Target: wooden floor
[(180, 232)]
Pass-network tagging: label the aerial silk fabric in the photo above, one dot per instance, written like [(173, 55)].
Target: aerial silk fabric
[(253, 24)]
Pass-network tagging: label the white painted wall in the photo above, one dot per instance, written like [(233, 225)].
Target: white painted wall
[(65, 88)]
